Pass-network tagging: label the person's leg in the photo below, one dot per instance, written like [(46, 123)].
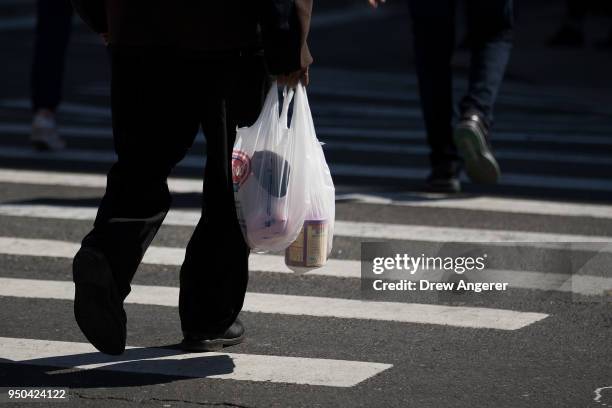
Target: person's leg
[(490, 30), (490, 26), (155, 120), (52, 34), (434, 41), (53, 26), (214, 275)]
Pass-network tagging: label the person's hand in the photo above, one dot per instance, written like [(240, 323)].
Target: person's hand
[(104, 37), (291, 80), (375, 3)]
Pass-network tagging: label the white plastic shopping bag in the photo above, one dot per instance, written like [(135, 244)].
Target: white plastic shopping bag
[(269, 176), (314, 244)]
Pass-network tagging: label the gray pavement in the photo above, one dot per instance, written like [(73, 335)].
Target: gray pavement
[(554, 138)]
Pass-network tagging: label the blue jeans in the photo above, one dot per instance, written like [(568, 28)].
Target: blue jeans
[(489, 26)]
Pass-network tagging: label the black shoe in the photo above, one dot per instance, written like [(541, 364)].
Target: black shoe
[(196, 342), (470, 136), (97, 307)]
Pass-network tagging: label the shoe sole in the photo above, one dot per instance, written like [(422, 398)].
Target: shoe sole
[(211, 345), (97, 308), (480, 165)]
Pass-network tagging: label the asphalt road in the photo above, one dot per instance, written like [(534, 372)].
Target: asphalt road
[(316, 340)]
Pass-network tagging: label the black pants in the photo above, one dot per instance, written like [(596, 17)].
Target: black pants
[(159, 100), (53, 26), (489, 24)]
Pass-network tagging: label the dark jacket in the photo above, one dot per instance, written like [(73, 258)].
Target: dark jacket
[(214, 26)]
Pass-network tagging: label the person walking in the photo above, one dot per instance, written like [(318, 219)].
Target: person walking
[(490, 28), (176, 66), (53, 28)]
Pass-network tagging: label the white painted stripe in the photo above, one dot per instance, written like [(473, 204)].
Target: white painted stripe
[(398, 81), (79, 155), (507, 179), (346, 110), (361, 230), (482, 203), (346, 16), (457, 316), (334, 84), (388, 110), (81, 132), (50, 178), (17, 23), (225, 366), (371, 230), (495, 204), (581, 284), (86, 132), (170, 256), (505, 154), (397, 85), (419, 135), (65, 107), (337, 169)]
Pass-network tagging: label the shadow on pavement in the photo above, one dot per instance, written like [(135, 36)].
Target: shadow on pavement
[(136, 367)]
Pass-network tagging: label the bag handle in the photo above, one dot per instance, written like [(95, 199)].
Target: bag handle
[(287, 98)]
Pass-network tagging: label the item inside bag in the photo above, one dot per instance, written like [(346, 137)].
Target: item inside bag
[(309, 250), (265, 175)]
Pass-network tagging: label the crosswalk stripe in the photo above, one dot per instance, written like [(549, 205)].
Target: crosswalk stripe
[(580, 284), (495, 204), (362, 230), (170, 256), (508, 179), (389, 110), (267, 303), (329, 109), (69, 179), (80, 132), (322, 111), (481, 203), (337, 169), (225, 366), (525, 155), (17, 23), (403, 135), (81, 155), (393, 87)]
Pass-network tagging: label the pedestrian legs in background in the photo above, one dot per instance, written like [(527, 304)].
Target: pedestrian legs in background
[(490, 26), (53, 29), (159, 99), (489, 32)]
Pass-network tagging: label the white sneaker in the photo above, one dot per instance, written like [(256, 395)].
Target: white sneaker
[(44, 133)]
